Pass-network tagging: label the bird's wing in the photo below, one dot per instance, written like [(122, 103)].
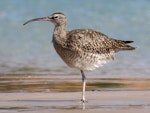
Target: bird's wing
[(90, 41), (95, 42)]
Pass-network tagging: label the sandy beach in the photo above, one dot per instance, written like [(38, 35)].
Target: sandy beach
[(62, 94), (98, 101)]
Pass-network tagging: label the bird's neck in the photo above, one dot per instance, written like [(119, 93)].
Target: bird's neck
[(59, 35)]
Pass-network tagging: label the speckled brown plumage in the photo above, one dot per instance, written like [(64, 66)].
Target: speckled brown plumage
[(84, 49)]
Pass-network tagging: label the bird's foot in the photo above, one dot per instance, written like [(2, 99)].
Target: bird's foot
[(84, 101)]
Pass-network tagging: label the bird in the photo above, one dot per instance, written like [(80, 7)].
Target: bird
[(83, 49)]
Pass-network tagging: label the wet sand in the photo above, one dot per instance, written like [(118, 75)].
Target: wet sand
[(98, 101), (127, 98)]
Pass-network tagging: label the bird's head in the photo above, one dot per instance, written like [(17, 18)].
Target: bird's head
[(57, 18)]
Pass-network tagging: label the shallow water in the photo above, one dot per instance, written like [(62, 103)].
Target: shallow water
[(61, 93), (67, 83), (28, 49)]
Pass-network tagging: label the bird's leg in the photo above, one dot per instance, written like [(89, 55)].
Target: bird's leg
[(83, 86)]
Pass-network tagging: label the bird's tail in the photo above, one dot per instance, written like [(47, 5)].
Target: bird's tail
[(124, 45), (126, 42), (128, 47)]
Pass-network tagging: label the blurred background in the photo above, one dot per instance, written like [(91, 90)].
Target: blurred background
[(28, 49)]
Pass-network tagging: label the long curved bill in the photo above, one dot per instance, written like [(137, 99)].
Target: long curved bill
[(38, 19)]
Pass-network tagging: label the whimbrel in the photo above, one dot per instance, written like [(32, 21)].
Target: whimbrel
[(83, 49)]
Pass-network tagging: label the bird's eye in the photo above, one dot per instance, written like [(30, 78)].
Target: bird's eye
[(55, 16)]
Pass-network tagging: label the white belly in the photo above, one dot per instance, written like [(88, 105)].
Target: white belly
[(90, 61)]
